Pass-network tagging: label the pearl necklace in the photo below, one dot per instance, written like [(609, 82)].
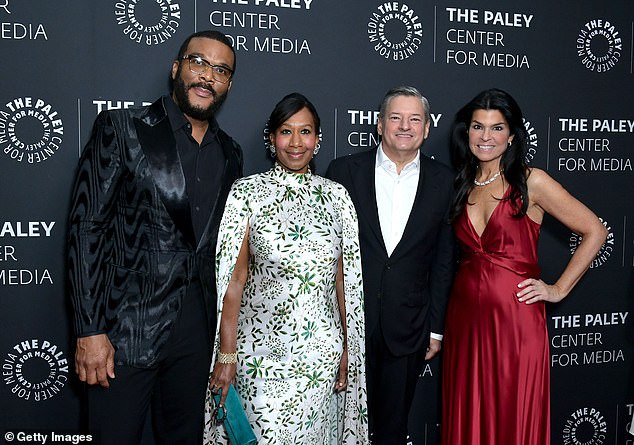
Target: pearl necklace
[(488, 181)]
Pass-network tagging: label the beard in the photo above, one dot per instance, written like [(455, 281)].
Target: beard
[(198, 113)]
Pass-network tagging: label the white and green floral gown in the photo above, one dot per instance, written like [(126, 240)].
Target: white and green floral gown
[(290, 337)]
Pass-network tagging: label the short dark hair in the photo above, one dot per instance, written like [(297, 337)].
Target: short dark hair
[(208, 34)]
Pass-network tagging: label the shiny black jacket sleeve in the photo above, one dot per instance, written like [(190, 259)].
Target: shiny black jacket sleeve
[(90, 240)]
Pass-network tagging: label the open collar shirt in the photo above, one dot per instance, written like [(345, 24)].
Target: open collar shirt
[(202, 163), (395, 194)]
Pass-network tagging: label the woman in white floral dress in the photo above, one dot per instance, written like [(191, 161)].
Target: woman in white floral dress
[(291, 325)]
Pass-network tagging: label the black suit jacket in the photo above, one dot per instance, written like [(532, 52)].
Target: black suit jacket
[(405, 293), (131, 247)]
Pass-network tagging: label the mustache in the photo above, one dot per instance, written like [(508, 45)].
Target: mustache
[(206, 86)]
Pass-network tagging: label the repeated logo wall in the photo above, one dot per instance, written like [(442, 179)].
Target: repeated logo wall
[(569, 66)]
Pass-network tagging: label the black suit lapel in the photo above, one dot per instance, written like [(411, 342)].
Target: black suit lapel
[(425, 192), (158, 143), (363, 180)]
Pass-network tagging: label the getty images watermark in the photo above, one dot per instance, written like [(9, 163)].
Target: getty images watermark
[(46, 437)]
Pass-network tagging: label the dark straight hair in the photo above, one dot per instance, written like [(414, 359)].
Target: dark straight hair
[(284, 109), (288, 106)]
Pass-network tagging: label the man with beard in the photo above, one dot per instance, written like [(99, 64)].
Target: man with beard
[(147, 201)]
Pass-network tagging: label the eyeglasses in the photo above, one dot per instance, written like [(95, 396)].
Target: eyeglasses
[(198, 65)]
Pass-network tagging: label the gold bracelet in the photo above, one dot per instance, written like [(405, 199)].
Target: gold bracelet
[(227, 358)]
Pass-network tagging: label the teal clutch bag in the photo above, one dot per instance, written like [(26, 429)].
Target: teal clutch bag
[(235, 421)]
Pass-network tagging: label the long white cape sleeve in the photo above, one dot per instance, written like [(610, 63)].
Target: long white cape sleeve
[(355, 429), (231, 234)]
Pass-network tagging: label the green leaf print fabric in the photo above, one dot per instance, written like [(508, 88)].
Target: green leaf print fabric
[(290, 337)]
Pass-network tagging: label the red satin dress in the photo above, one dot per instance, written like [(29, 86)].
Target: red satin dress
[(495, 371)]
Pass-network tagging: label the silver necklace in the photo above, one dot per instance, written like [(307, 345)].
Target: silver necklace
[(488, 181)]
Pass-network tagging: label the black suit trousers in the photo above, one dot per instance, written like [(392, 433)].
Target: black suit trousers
[(173, 390), (391, 383)]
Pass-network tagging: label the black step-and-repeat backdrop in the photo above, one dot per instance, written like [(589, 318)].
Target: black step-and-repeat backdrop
[(569, 64)]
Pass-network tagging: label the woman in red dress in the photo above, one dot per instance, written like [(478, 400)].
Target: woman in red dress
[(496, 362)]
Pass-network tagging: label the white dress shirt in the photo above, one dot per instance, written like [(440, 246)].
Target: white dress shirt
[(395, 194)]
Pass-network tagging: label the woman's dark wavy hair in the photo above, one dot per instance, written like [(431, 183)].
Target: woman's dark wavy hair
[(513, 161)]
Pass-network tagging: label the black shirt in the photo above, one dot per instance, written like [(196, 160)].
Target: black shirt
[(202, 165)]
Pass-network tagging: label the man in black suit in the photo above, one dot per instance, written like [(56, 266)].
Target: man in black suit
[(147, 201), (403, 201)]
